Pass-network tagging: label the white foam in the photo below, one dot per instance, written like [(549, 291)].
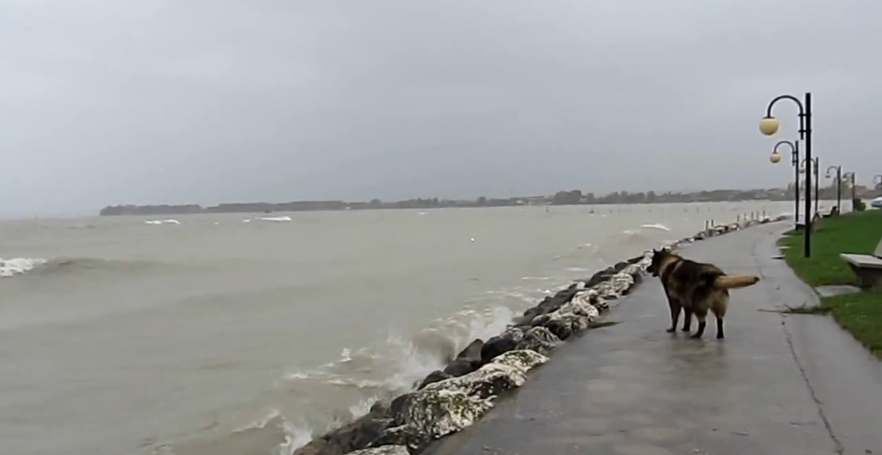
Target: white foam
[(169, 221), (656, 226), (275, 218), (17, 266), (406, 359), (296, 436), (261, 422)]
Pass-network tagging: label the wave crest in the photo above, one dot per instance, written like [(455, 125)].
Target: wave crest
[(65, 265), (17, 266)]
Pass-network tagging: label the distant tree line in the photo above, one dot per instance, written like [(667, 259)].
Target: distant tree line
[(572, 197)]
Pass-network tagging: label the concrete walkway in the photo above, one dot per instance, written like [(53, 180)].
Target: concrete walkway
[(777, 385)]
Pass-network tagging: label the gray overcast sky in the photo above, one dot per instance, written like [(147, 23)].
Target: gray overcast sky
[(175, 101)]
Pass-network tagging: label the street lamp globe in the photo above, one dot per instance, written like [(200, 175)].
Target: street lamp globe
[(768, 126), (775, 157)]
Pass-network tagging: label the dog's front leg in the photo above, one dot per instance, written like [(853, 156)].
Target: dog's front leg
[(687, 319), (674, 305)]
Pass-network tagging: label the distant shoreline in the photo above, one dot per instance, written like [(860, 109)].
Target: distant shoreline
[(574, 197)]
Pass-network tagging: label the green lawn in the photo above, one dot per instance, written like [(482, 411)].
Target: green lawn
[(859, 232), (861, 315)]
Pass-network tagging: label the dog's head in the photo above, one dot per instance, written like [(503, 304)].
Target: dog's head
[(657, 257)]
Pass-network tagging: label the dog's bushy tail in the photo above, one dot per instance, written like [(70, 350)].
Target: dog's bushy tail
[(724, 281)]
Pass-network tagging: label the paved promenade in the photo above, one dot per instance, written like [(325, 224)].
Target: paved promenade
[(777, 385)]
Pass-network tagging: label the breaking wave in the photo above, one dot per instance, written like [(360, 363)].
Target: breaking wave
[(20, 266), (17, 266), (387, 369), (311, 402), (275, 218), (305, 403)]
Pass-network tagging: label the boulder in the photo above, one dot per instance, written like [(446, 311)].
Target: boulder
[(600, 277), (382, 450), (354, 436), (450, 405), (472, 351), (527, 318), (459, 367), (565, 295), (538, 339), (540, 320), (619, 283), (591, 297), (559, 328), (636, 259), (572, 317), (468, 360), (501, 344), (381, 408), (549, 304), (433, 377)]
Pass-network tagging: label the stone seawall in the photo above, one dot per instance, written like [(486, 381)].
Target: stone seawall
[(449, 400)]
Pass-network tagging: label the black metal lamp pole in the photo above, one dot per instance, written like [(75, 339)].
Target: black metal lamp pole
[(838, 170), (816, 164), (853, 188), (769, 126), (794, 161), (850, 176)]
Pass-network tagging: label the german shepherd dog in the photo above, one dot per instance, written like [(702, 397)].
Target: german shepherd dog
[(696, 288)]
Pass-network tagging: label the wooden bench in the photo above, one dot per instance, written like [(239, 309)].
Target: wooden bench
[(867, 267)]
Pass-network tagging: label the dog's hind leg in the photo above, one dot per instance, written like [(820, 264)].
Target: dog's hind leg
[(719, 309), (687, 319), (700, 314), (720, 334), (675, 314)]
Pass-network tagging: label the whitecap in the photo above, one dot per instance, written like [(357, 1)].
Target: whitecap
[(18, 266), (656, 226), (275, 218), (156, 222)]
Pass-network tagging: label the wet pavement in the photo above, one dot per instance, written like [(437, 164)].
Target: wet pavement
[(778, 384)]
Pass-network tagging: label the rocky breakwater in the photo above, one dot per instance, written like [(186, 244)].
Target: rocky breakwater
[(449, 400)]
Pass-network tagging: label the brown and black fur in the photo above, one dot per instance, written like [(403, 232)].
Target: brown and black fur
[(696, 288)]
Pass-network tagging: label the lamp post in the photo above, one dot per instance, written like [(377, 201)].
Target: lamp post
[(838, 170), (769, 126), (850, 177), (815, 165), (794, 161)]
